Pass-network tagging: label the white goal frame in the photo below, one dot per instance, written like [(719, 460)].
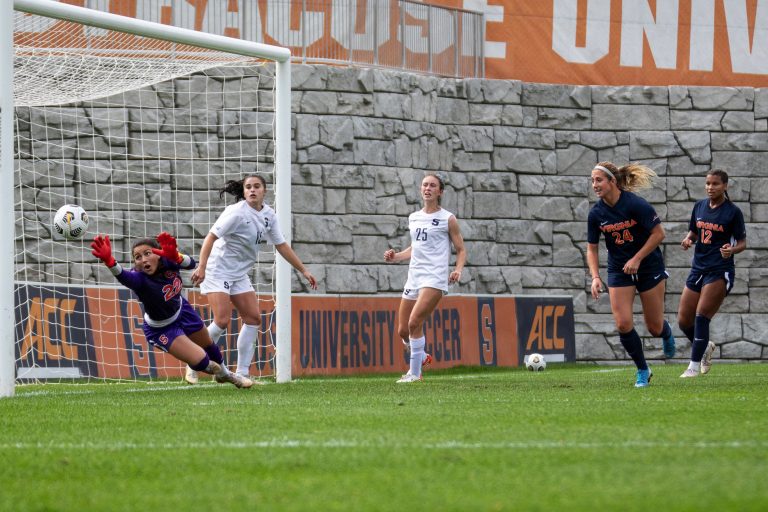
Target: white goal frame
[(51, 9)]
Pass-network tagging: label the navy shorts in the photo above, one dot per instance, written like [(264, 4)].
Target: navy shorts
[(189, 322), (697, 279), (642, 281)]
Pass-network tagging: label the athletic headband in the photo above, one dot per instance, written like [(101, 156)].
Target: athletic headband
[(605, 170)]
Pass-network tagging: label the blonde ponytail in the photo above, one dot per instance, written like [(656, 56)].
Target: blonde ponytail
[(630, 177)]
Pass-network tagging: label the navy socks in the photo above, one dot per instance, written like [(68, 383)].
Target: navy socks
[(202, 365), (688, 331), (700, 339), (634, 347), (666, 332), (214, 353)]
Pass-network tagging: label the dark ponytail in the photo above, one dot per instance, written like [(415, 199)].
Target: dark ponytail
[(237, 189)]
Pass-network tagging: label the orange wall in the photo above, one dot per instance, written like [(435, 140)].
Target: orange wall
[(99, 332), (629, 42)]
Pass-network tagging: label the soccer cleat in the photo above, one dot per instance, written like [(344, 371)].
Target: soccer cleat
[(668, 345), (239, 381), (409, 377), (426, 361), (643, 378), (706, 361), (190, 377), (688, 373)]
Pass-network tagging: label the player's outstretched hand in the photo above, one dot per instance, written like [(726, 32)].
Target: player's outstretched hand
[(102, 249), (168, 247)]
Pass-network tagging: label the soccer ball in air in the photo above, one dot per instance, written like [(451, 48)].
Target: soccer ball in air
[(535, 363), (71, 222)]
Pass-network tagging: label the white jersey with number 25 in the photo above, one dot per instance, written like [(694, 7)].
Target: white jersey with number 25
[(430, 250)]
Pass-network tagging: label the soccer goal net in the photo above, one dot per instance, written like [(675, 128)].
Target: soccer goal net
[(141, 125)]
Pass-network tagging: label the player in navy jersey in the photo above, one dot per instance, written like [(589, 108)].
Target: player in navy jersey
[(170, 322), (433, 229), (227, 256), (718, 232), (632, 232)]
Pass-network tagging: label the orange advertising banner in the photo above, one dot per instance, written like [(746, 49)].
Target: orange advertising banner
[(96, 332), (602, 42), (629, 42), (341, 335)]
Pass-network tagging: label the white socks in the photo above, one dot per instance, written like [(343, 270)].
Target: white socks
[(215, 331), (246, 341), (694, 366), (417, 355)]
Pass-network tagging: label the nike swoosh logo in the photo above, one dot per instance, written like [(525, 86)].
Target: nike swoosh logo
[(604, 223), (656, 277)]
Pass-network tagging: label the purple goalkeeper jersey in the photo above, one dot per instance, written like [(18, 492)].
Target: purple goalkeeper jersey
[(158, 293)]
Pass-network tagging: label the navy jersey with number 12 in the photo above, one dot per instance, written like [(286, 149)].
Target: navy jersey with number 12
[(715, 227), (627, 226)]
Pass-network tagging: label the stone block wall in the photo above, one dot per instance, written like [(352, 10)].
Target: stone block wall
[(517, 159)]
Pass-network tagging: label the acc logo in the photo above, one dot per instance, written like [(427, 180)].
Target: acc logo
[(543, 334), (169, 274), (163, 339)]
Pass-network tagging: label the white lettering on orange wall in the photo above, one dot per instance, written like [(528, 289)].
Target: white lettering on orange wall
[(344, 21), (279, 15), (441, 29), (702, 35), (746, 57), (564, 24), (493, 14), (637, 20)]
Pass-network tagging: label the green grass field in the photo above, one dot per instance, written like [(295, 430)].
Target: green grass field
[(570, 438)]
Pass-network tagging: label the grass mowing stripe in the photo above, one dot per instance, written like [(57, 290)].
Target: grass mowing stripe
[(568, 438), (341, 443)]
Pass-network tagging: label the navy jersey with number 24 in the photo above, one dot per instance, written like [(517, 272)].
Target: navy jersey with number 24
[(627, 226)]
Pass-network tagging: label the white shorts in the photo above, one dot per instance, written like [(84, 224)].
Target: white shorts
[(413, 293), (228, 286), (417, 280)]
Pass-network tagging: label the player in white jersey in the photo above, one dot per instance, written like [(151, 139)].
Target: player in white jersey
[(433, 229), (228, 253)]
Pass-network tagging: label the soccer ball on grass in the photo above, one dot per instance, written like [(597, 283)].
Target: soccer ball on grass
[(536, 363), (71, 222)]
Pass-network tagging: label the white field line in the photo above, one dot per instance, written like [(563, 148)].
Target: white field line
[(355, 445), (153, 387), (148, 389)]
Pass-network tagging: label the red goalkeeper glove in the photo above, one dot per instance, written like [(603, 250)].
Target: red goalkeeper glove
[(102, 249), (168, 248)]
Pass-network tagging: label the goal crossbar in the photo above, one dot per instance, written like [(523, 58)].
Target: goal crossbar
[(113, 22)]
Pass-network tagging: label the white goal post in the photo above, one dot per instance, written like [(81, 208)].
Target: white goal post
[(135, 27)]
